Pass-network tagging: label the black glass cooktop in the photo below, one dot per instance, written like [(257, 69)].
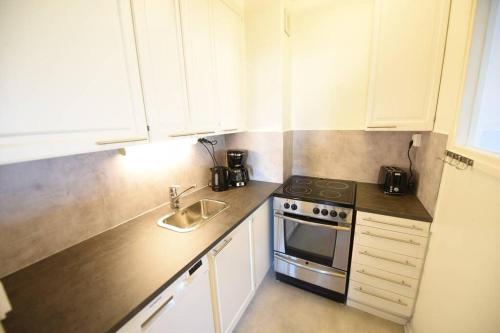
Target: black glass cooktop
[(318, 190)]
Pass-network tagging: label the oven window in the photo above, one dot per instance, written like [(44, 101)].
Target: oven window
[(314, 243)]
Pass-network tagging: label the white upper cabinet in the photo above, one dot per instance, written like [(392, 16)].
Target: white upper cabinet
[(198, 56), (228, 44), (69, 80), (159, 46), (407, 55)]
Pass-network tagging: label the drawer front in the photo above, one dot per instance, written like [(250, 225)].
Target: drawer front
[(397, 242), (395, 283), (387, 261), (397, 224), (380, 299)]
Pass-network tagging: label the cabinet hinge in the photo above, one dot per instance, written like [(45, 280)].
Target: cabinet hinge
[(147, 127)]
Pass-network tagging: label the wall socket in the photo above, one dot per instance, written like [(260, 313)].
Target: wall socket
[(417, 140)]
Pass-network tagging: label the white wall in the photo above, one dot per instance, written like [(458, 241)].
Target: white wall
[(330, 63), (460, 289)]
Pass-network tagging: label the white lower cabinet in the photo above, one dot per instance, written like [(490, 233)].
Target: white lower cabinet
[(387, 259), (231, 277), (183, 307)]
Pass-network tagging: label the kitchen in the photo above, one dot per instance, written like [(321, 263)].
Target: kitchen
[(290, 119)]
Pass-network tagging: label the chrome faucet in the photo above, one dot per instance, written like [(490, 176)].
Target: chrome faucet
[(174, 197)]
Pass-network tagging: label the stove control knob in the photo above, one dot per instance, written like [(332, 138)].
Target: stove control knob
[(324, 212), (316, 210), (286, 205), (333, 213), (342, 215), (294, 207)]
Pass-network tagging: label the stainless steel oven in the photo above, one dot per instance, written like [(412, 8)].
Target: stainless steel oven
[(312, 243)]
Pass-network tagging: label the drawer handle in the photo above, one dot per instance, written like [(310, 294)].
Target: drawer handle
[(321, 271), (226, 241), (111, 142), (406, 262), (413, 227), (410, 241), (402, 282), (398, 301), (230, 129)]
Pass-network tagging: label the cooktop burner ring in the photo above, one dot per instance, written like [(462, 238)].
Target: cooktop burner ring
[(331, 184), (330, 194), (303, 182), (297, 189)]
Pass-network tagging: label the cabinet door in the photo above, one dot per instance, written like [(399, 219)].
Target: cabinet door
[(69, 78), (232, 277), (408, 49), (262, 238), (198, 56), (159, 46), (227, 32)]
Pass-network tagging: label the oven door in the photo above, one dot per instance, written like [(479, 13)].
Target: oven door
[(322, 242)]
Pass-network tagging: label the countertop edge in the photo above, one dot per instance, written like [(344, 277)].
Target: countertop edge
[(404, 216), (139, 307)]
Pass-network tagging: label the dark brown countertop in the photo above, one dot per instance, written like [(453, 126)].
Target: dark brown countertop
[(97, 285), (369, 198)]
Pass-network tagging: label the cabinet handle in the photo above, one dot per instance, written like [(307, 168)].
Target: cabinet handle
[(398, 301), (312, 224), (230, 129), (181, 134), (321, 271), (206, 132), (413, 227), (406, 262), (410, 241), (110, 142), (226, 241), (402, 282), (387, 126), (155, 314)]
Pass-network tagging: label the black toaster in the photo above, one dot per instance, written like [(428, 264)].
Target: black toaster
[(393, 180)]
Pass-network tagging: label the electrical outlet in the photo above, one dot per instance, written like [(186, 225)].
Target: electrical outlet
[(417, 140)]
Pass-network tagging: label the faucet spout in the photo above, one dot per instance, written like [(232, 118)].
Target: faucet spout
[(175, 197)]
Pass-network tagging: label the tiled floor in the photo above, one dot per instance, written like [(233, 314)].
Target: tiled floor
[(278, 307)]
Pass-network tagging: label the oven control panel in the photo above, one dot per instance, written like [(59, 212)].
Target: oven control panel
[(330, 212)]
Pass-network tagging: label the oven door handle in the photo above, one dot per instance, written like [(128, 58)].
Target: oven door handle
[(292, 219), (316, 270)]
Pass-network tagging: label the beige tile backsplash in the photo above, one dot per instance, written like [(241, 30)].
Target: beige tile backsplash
[(265, 153), (358, 155), (49, 205), (352, 155)]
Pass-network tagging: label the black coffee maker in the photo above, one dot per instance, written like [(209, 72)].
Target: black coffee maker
[(238, 173)]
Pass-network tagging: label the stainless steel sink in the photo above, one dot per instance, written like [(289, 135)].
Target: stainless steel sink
[(191, 217)]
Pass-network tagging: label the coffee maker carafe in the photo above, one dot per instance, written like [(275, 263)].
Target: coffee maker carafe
[(238, 173)]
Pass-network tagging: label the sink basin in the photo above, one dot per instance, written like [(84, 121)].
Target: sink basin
[(191, 217)]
